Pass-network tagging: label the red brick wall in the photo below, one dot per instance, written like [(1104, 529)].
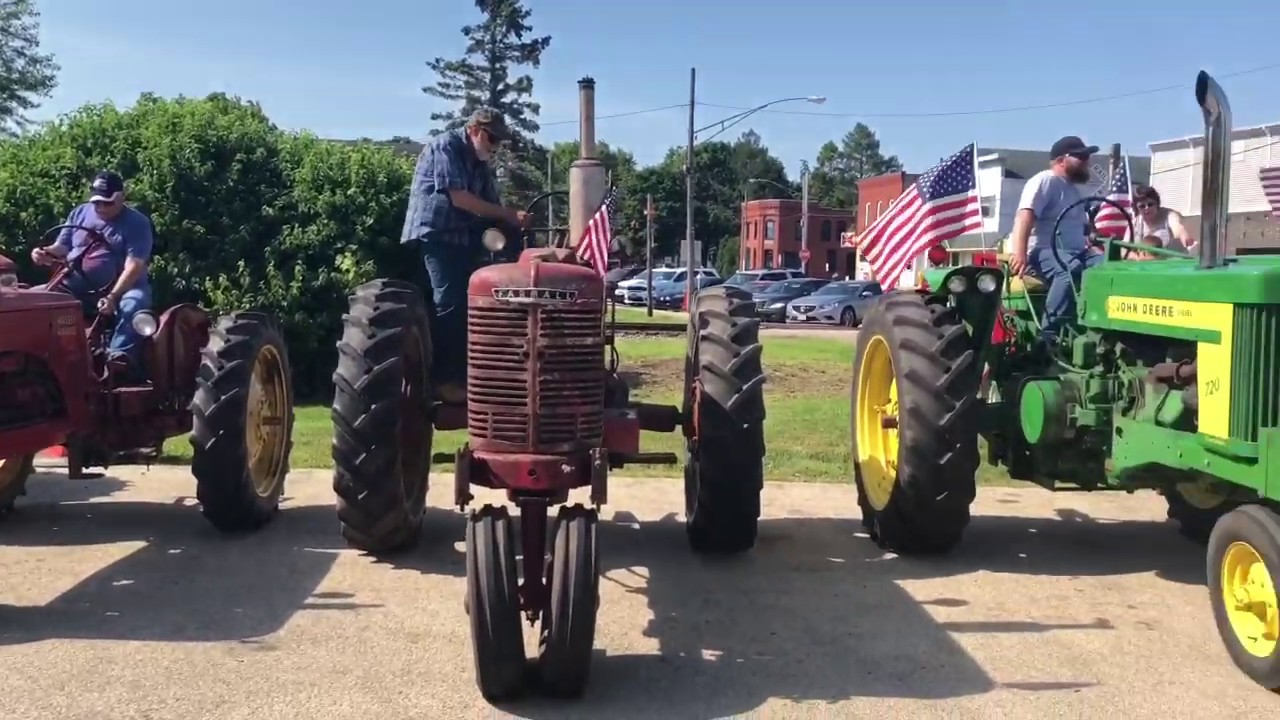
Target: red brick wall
[(781, 247)]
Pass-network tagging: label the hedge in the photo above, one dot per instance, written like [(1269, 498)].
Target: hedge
[(247, 215)]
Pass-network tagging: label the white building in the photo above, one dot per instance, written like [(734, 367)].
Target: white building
[(1177, 170)]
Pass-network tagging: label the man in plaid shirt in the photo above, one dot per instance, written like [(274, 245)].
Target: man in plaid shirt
[(453, 194)]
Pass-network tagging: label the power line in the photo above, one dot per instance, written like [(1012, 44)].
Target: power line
[(949, 113), (994, 111)]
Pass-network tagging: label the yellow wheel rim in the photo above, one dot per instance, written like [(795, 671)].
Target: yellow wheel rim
[(876, 423), (1249, 596), (265, 428), (10, 471)]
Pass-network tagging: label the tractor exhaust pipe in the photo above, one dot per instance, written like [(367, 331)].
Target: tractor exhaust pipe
[(1217, 171)]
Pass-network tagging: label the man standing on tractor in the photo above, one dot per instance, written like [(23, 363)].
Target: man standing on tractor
[(453, 192), (1044, 197), (119, 269)]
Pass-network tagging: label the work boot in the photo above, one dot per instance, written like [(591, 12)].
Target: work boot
[(451, 393)]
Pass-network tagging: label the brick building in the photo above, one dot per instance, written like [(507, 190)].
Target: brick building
[(876, 194), (770, 237)]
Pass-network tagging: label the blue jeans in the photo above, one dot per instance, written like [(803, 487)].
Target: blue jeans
[(1060, 305), (449, 267)]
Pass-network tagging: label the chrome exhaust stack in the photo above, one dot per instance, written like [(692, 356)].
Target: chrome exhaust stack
[(1216, 188)]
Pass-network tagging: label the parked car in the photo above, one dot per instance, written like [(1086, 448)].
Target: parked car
[(771, 303), (634, 291), (837, 303), (670, 295), (756, 280), (618, 274)]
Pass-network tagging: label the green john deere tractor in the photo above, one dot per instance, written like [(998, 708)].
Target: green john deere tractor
[(1169, 379)]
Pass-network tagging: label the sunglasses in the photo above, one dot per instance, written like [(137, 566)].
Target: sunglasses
[(1145, 204)]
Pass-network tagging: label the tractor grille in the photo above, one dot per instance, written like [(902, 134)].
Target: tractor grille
[(535, 376), (1255, 371)]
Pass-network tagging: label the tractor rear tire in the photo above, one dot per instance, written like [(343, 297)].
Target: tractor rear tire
[(724, 410), (242, 422), (1242, 562), (382, 419), (914, 424), (14, 473)]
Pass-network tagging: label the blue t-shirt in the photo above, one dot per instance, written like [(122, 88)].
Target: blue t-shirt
[(127, 235), (1046, 194)]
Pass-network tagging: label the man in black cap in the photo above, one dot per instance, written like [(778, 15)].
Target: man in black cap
[(1044, 197), (119, 268), (453, 189)]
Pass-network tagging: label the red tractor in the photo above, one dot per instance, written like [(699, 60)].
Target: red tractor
[(546, 413), (226, 383)]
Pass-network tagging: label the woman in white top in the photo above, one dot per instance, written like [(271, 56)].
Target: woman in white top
[(1165, 223)]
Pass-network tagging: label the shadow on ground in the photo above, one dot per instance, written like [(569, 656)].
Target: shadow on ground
[(186, 583), (814, 613)]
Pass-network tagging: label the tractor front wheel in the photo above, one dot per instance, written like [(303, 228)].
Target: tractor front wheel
[(14, 472), (915, 440), (493, 604), (724, 409), (242, 422), (1243, 563), (569, 621), (382, 424)]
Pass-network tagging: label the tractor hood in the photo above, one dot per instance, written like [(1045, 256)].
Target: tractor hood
[(1248, 280), (539, 277)]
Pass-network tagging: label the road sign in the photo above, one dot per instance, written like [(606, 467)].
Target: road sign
[(804, 255)]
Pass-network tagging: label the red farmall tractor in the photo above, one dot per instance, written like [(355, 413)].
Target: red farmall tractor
[(546, 413), (227, 383)]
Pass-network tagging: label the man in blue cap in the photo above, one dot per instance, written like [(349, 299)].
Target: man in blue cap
[(453, 192), (119, 268)]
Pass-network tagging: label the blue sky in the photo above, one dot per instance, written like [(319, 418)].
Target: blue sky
[(344, 69)]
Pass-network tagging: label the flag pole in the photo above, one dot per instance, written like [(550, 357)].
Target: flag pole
[(977, 188)]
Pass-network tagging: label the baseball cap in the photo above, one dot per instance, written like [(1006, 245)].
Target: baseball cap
[(1071, 145), (491, 120), (106, 187)]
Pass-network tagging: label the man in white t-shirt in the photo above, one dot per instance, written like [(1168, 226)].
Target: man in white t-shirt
[(1044, 197)]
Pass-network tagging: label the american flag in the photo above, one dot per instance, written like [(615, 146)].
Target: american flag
[(1109, 221), (941, 205), (1270, 177), (593, 248)]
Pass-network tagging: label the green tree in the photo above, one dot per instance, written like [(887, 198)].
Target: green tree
[(483, 76), (25, 73), (246, 215), (622, 168), (752, 160), (838, 168)]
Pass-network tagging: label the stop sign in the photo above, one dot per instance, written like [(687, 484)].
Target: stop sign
[(804, 255)]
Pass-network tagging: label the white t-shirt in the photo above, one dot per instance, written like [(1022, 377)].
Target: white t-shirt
[(1047, 195)]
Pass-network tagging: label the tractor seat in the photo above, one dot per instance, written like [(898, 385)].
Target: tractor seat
[(1029, 283)]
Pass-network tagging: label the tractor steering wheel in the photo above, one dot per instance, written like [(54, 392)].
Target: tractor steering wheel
[(1093, 230), (557, 235), (75, 266)]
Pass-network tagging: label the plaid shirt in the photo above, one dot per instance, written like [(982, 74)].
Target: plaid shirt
[(448, 162)]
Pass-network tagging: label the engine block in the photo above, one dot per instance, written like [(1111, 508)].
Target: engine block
[(535, 358)]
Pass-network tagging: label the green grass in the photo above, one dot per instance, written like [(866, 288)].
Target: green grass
[(807, 400), (640, 315)]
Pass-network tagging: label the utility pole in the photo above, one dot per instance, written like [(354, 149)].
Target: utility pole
[(804, 216), (688, 189), (648, 251), (551, 210)]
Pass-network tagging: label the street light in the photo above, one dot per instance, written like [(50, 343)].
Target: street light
[(724, 124), (789, 191)]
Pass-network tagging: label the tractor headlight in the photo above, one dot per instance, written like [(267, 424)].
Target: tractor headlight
[(493, 240), (987, 283), (957, 284), (8, 281), (144, 323)]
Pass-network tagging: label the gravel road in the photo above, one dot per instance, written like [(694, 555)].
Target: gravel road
[(118, 601)]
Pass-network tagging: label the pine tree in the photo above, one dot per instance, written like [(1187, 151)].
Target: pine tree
[(502, 42), (25, 74)]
